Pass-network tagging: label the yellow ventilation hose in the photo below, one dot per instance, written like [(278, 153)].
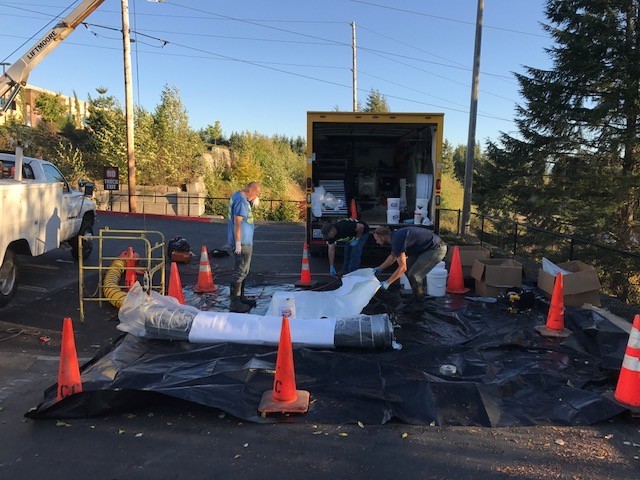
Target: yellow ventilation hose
[(111, 286)]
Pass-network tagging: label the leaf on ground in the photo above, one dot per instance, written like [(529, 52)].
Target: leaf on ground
[(317, 432), (121, 431), (222, 415), (245, 445), (560, 441), (404, 435), (138, 435), (343, 434), (432, 424), (360, 424), (609, 436), (237, 456), (60, 423)]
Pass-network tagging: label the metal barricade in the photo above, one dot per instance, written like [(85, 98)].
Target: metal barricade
[(151, 245)]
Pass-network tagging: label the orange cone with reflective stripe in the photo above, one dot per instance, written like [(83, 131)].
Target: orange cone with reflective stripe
[(628, 388), (353, 210), (205, 277), (305, 274), (175, 285), (455, 283), (69, 372), (555, 318), (284, 397)]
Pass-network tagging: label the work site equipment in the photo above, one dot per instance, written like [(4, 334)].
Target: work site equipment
[(555, 318), (305, 272), (69, 372), (284, 397), (205, 277), (455, 284), (628, 387), (150, 263), (175, 285)]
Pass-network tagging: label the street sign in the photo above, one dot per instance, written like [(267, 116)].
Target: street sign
[(111, 178)]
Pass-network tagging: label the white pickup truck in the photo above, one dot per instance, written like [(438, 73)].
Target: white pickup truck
[(38, 212)]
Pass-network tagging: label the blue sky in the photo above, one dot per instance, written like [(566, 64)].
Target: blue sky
[(260, 65)]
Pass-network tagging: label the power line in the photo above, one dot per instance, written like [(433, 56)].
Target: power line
[(466, 22)]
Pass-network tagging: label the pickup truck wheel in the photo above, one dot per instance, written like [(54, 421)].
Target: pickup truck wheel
[(8, 277), (87, 243)]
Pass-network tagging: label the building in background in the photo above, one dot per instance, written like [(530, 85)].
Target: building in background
[(23, 108)]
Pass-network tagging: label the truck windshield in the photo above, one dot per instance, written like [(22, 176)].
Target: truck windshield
[(53, 175)]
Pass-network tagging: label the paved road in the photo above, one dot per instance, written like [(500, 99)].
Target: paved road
[(174, 440)]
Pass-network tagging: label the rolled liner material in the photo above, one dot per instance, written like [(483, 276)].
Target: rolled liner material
[(158, 317)]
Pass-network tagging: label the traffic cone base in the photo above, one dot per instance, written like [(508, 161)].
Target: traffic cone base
[(455, 283), (175, 285), (205, 277), (69, 381), (268, 404), (545, 332)]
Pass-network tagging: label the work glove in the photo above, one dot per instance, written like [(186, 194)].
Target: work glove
[(384, 285), (354, 243), (376, 270), (332, 270), (238, 249)]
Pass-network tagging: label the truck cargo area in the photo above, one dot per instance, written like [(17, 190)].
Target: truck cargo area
[(371, 162)]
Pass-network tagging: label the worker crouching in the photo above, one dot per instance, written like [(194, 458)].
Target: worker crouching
[(416, 251)]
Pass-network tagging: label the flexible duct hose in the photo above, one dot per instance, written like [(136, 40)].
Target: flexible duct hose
[(111, 287)]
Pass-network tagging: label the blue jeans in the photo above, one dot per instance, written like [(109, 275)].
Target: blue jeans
[(352, 255)]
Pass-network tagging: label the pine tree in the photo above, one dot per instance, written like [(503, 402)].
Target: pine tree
[(576, 160), (376, 103)]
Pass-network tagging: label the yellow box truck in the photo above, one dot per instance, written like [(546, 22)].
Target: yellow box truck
[(383, 167)]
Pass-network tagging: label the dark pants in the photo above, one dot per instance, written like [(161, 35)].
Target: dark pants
[(421, 265), (241, 265), (352, 255)]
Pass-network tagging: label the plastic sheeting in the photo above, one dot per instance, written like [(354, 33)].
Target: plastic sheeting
[(349, 299), (506, 373)]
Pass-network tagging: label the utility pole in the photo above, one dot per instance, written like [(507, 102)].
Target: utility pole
[(473, 113), (128, 100), (354, 70)]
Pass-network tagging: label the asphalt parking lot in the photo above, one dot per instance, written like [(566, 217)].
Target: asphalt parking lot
[(175, 439)]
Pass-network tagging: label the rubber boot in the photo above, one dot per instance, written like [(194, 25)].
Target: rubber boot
[(245, 300), (236, 304)]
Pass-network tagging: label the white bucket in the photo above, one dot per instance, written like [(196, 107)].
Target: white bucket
[(393, 204), (437, 281), (393, 216), (286, 307), (422, 204)]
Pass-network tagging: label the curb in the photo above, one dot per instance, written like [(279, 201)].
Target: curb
[(184, 218)]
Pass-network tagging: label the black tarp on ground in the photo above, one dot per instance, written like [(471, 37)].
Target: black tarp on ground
[(506, 373)]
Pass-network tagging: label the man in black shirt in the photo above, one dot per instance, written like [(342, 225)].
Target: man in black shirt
[(355, 233)]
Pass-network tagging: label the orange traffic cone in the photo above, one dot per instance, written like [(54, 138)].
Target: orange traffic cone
[(175, 285), (305, 273), (628, 388), (353, 211), (205, 277), (69, 372), (130, 276), (455, 283), (555, 317), (284, 397)]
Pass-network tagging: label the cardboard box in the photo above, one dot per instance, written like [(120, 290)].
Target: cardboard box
[(468, 253), (579, 287), (494, 276)]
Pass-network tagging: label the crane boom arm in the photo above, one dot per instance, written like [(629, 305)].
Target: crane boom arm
[(17, 75)]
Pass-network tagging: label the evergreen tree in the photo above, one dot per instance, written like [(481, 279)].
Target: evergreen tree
[(376, 103), (576, 159)]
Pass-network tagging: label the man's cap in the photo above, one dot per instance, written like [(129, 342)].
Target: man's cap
[(326, 230)]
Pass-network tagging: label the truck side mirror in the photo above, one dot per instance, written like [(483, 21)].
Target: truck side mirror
[(88, 187)]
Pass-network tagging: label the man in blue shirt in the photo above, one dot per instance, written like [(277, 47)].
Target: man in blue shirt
[(415, 249), (240, 237)]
